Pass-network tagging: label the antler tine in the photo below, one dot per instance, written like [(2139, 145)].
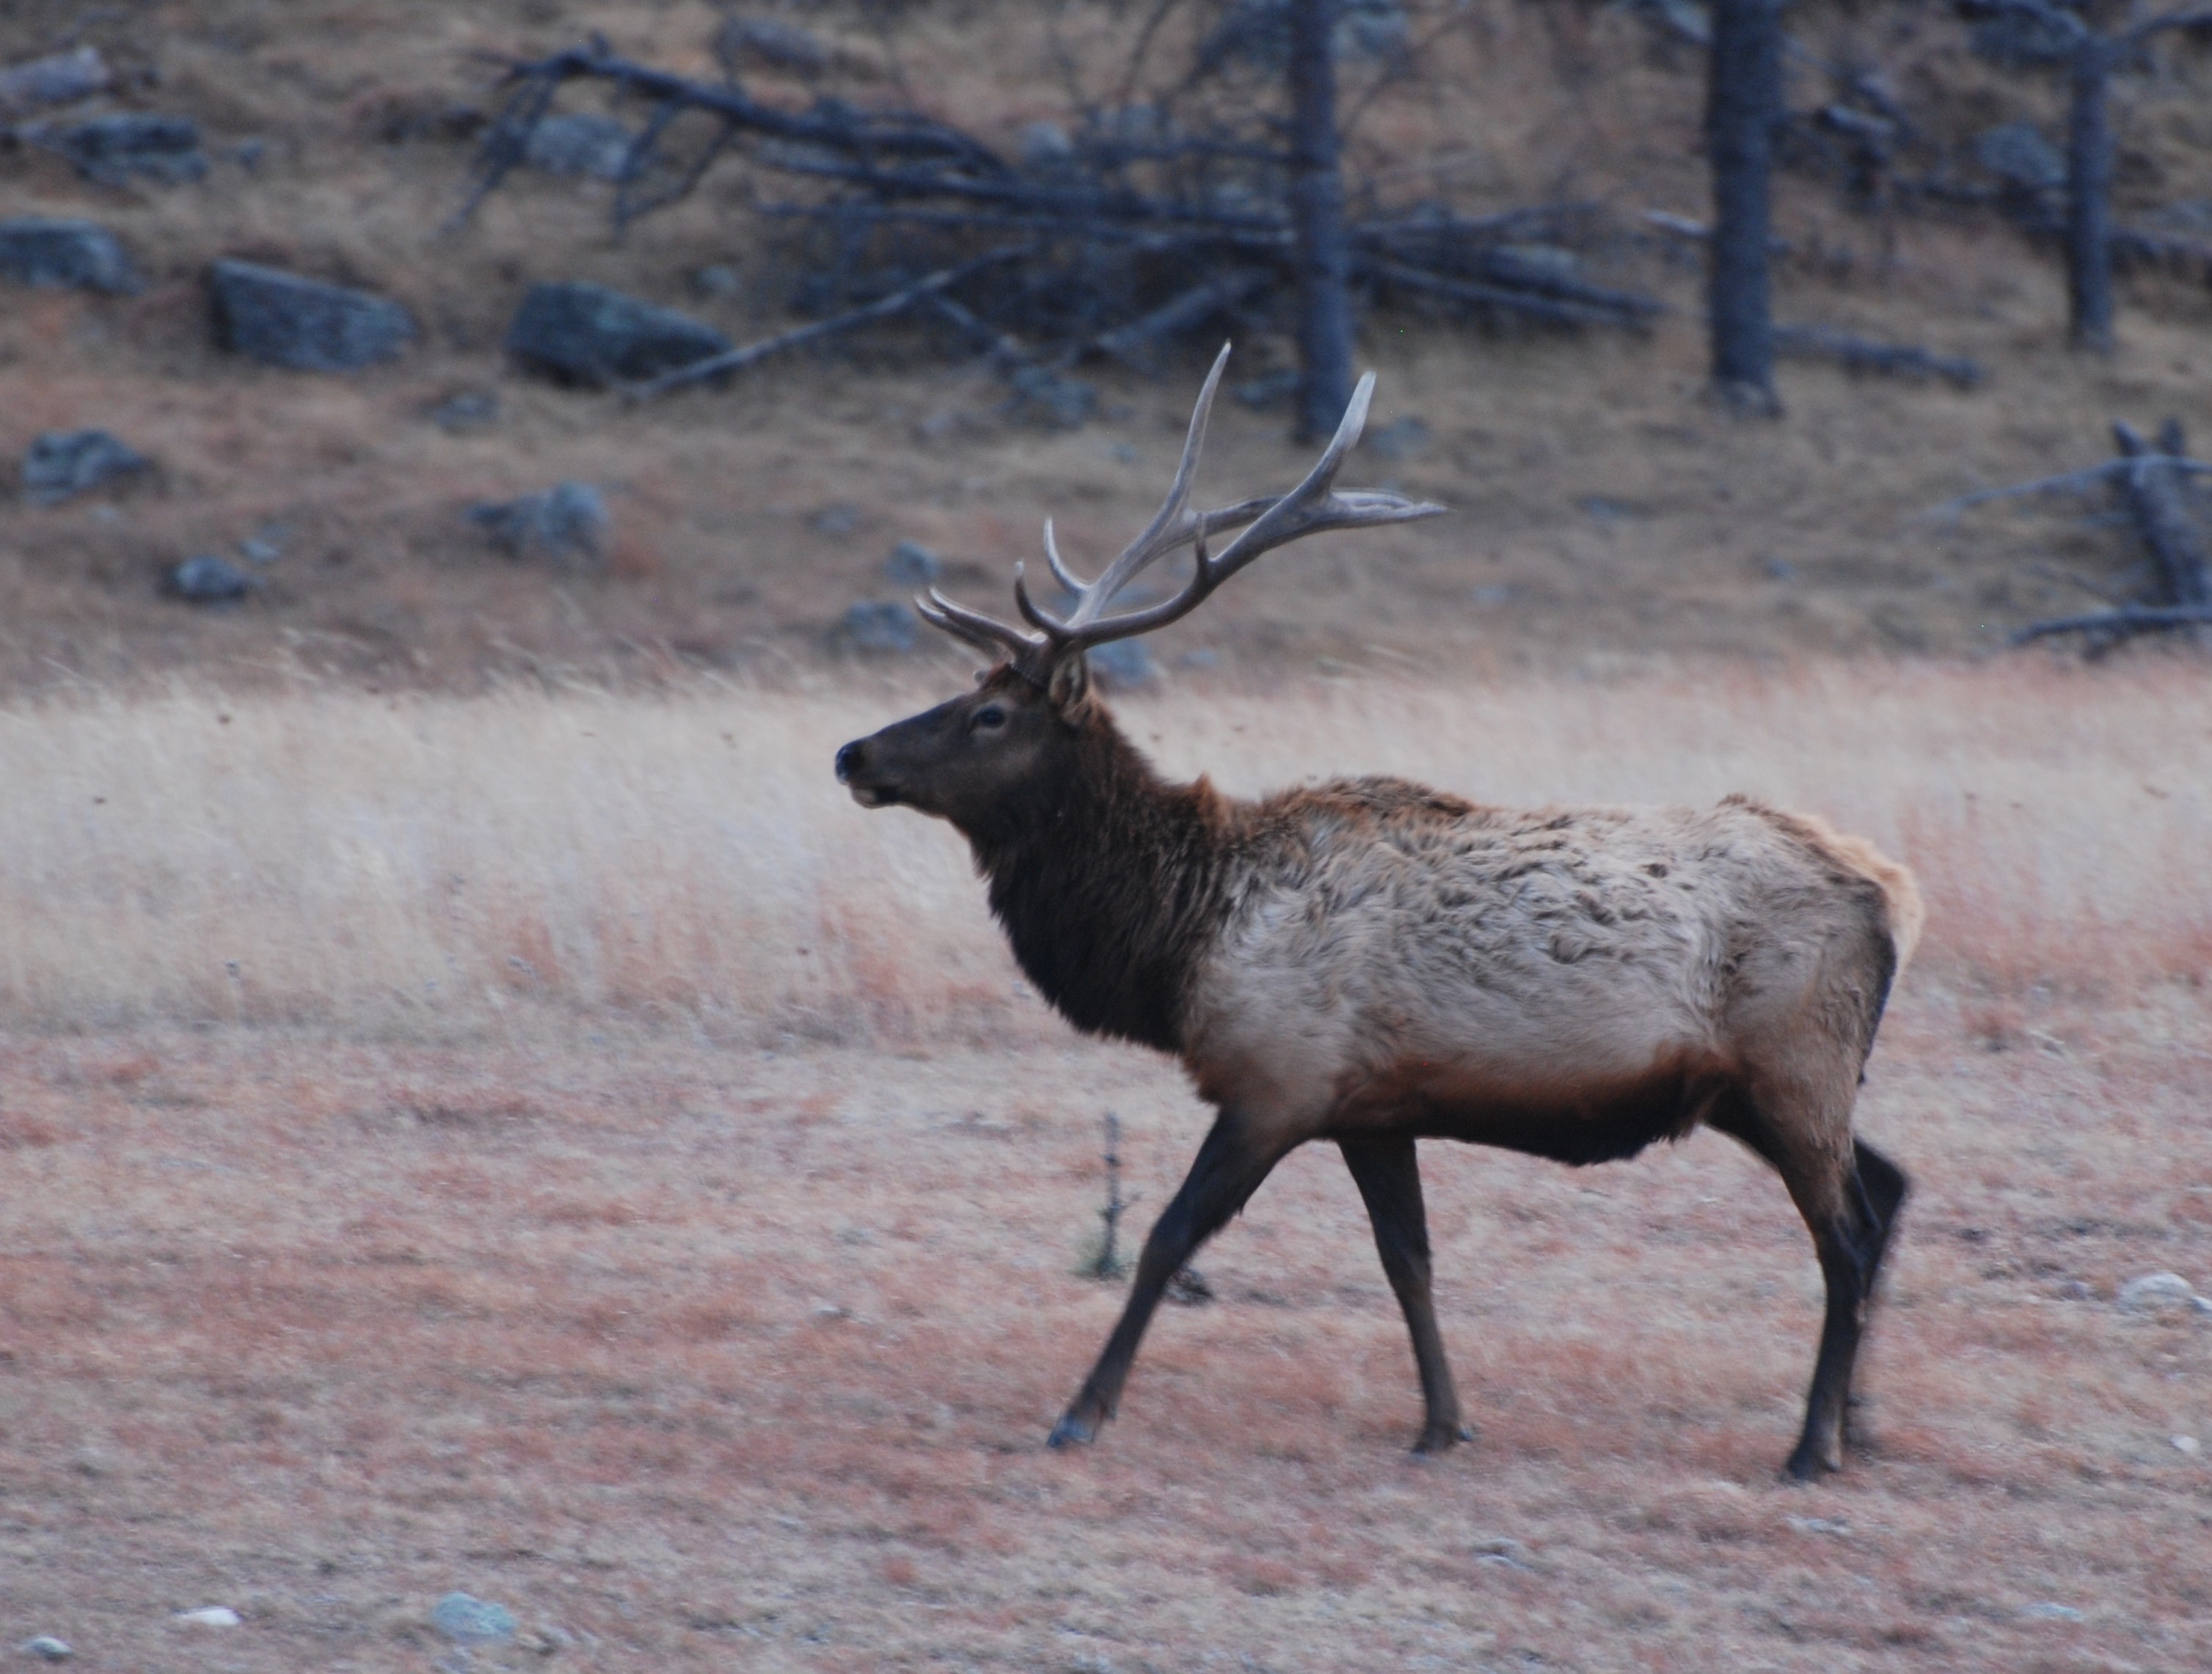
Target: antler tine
[(1171, 525), (1311, 508), (1067, 577), (985, 634)]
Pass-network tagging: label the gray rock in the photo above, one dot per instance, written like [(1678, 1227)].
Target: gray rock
[(62, 464), (207, 1616), (1267, 391), (913, 564), (208, 580), (718, 281), (1063, 403), (838, 520), (54, 80), (592, 147), (1400, 438), (64, 255), (47, 1647), (1122, 665), (467, 1620), (2157, 1293), (268, 314), (466, 410), (567, 525), (1046, 145), (587, 334), (134, 144), (888, 629), (771, 42), (2018, 153), (2047, 1611)]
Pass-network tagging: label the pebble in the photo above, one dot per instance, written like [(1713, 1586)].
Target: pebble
[(592, 147), (1826, 1525), (2187, 1444), (469, 409), (1401, 439), (2047, 1611), (46, 1645), (209, 1616), (2155, 1293), (113, 148), (57, 79), (467, 1620)]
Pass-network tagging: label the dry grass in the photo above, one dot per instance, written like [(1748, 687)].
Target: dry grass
[(459, 868)]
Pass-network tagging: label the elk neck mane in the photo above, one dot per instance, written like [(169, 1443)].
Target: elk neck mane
[(1110, 881)]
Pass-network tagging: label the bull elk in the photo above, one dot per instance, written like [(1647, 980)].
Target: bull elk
[(1373, 962)]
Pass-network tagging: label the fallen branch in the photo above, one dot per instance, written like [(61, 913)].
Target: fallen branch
[(1132, 344), (2124, 622), (736, 360), (1856, 354), (1554, 311)]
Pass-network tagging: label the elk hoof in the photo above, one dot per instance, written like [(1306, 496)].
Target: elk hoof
[(1437, 1438), (1072, 1432), (1806, 1464)]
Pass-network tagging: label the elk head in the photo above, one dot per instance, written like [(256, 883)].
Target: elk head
[(973, 760)]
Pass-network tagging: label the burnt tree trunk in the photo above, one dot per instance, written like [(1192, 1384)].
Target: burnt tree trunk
[(2089, 197), (1323, 253), (1743, 103)]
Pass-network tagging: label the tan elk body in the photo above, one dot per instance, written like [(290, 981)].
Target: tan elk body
[(1373, 962)]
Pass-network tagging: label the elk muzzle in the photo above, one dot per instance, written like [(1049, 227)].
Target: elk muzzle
[(856, 775)]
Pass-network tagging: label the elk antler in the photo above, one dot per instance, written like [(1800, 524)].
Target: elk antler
[(1269, 521)]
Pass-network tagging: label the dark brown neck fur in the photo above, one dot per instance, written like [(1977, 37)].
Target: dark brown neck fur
[(1109, 881)]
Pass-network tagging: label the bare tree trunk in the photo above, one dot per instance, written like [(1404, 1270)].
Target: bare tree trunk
[(1323, 253), (1743, 102), (2089, 198)]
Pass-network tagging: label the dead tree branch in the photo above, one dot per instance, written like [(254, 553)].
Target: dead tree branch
[(1856, 354)]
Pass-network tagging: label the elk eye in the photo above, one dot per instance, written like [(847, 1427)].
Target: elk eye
[(989, 717)]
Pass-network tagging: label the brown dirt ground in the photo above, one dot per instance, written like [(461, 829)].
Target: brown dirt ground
[(1603, 512), (712, 1358)]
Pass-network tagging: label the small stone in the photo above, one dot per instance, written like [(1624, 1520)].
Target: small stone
[(2188, 1445), (1122, 665), (1201, 657), (268, 314), (55, 254), (586, 334), (2018, 154), (467, 1620), (2156, 1293), (208, 1616), (592, 147), (469, 409), (1500, 1553), (1821, 1526), (1267, 391), (718, 281), (111, 149), (913, 564), (1046, 145), (264, 549), (55, 79), (827, 1311), (838, 520), (2046, 1612), (2077, 1290), (1063, 403), (1401, 439), (773, 43), (887, 628), (208, 580), (1533, 264), (47, 1647), (63, 463), (567, 525)]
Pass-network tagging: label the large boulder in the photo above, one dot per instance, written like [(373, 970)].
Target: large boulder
[(64, 255), (271, 315), (587, 334)]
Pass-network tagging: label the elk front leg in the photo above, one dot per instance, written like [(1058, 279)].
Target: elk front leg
[(1228, 1171), (1390, 1181)]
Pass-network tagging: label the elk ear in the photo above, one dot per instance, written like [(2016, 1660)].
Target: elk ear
[(1070, 685)]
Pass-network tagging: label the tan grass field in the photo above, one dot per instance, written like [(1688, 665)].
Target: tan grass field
[(560, 1148)]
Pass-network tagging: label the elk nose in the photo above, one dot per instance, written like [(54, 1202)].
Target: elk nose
[(848, 760)]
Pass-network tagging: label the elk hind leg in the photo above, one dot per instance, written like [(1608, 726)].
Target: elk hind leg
[(1849, 1195), (1388, 1176), (1229, 1169)]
